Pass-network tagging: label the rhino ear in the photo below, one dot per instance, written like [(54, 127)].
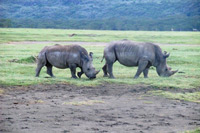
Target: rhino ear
[(91, 55), (84, 57), (165, 54)]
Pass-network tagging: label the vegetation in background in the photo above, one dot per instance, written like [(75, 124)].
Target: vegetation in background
[(31, 59), (154, 15)]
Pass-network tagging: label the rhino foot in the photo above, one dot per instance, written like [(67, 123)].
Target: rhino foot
[(112, 77), (79, 74), (74, 77), (135, 77), (105, 75)]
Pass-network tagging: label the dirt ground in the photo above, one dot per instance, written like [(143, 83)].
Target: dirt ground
[(111, 108)]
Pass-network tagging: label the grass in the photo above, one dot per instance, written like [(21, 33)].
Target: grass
[(192, 97), (30, 59), (9, 35), (21, 71), (17, 62), (193, 131)]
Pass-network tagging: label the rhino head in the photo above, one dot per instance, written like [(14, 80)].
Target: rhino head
[(162, 69), (87, 66)]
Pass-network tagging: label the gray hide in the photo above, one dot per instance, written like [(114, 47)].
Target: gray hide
[(131, 54), (66, 56)]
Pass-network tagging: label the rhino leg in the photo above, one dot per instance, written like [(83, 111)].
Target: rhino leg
[(73, 70), (41, 62), (49, 71), (110, 70), (105, 71), (141, 67), (110, 60), (38, 69), (80, 73), (145, 72)]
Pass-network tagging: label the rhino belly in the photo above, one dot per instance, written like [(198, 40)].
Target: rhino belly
[(127, 60), (57, 59)]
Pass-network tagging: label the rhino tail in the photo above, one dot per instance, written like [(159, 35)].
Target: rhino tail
[(45, 56), (46, 60)]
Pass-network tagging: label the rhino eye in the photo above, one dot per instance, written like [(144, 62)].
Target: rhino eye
[(88, 69), (166, 69)]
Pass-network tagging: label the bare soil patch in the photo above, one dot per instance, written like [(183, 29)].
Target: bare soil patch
[(104, 108)]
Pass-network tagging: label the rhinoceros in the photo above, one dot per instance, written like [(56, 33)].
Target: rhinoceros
[(66, 56), (131, 54)]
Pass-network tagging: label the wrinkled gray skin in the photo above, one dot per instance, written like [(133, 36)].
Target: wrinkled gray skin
[(131, 54), (66, 56)]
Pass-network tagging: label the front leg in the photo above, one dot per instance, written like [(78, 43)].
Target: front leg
[(80, 73), (141, 67), (73, 70)]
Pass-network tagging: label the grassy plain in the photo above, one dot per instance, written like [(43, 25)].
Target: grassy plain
[(17, 67), (10, 35)]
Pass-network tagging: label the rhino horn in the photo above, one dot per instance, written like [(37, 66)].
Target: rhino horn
[(97, 72), (173, 72)]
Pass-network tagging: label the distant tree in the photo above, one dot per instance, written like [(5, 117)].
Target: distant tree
[(5, 23)]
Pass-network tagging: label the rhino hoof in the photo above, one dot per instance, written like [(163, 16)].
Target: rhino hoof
[(105, 75), (74, 77), (79, 74)]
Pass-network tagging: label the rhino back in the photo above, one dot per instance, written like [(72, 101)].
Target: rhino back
[(61, 56), (129, 53)]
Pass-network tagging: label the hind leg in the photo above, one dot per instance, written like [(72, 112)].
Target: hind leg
[(110, 57), (110, 70), (38, 69), (105, 71), (146, 71), (49, 70), (40, 63)]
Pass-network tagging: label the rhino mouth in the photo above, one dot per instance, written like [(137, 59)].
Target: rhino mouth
[(170, 73), (92, 77)]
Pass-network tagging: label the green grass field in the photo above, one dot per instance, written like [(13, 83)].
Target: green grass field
[(17, 67), (9, 35)]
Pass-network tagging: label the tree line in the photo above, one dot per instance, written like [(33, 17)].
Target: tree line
[(176, 23)]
